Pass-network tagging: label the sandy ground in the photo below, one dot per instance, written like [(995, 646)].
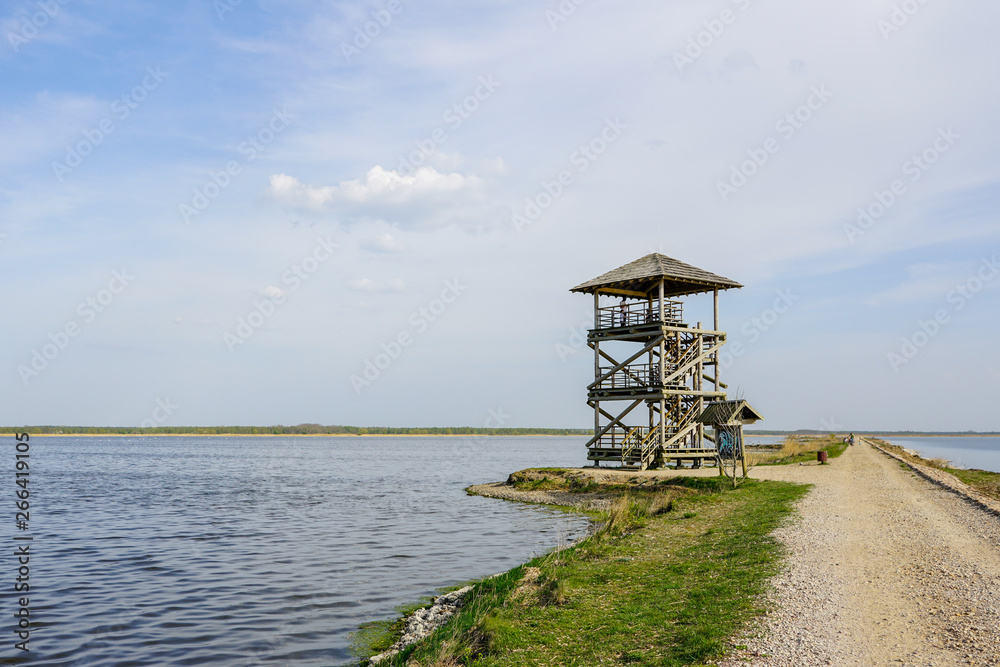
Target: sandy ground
[(885, 568)]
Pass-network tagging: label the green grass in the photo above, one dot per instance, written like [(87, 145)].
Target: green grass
[(667, 581), (378, 636), (987, 483), (833, 445)]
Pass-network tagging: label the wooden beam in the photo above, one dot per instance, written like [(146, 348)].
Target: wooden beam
[(621, 292), (621, 365), (689, 364), (615, 361), (717, 384), (614, 420)]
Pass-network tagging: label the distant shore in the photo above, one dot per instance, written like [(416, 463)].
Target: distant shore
[(294, 435), (44, 431)]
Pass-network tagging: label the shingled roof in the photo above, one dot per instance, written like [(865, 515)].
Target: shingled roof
[(728, 412), (643, 276)]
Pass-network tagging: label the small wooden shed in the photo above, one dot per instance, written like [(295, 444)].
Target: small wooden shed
[(727, 419)]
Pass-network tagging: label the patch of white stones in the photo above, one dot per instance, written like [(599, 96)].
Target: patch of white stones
[(425, 621)]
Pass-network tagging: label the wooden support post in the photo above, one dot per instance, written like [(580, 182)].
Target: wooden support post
[(663, 368), (715, 294), (715, 327), (660, 290), (743, 451), (699, 385), (597, 367), (652, 358), (718, 438)]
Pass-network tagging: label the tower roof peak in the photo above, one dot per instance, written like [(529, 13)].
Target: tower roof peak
[(641, 278)]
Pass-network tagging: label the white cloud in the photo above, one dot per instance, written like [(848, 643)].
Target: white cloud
[(384, 243), (369, 285), (425, 199), (273, 292), (377, 187)]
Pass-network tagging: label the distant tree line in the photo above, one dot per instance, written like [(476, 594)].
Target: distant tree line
[(808, 431), (301, 429), (319, 429)]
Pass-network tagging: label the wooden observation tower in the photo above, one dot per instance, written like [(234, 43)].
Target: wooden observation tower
[(665, 364)]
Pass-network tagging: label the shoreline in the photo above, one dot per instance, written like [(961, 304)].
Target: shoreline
[(584, 502), (941, 478), (648, 521), (296, 435), (28, 429), (537, 488)]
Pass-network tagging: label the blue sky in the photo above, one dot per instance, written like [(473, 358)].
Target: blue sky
[(232, 208)]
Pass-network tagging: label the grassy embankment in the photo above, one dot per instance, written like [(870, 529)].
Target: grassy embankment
[(674, 571), (987, 483), (801, 449)]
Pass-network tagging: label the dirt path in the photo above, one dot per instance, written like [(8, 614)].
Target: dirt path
[(885, 568)]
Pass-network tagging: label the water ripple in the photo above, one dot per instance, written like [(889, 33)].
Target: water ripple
[(264, 551)]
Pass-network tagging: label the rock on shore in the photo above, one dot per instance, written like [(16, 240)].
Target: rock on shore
[(425, 621), (583, 501)]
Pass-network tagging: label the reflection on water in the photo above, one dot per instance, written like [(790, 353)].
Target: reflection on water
[(254, 551)]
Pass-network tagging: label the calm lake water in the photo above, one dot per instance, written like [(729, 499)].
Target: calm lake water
[(758, 440), (259, 551), (965, 452)]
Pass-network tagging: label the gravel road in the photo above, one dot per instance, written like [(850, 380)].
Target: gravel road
[(885, 568)]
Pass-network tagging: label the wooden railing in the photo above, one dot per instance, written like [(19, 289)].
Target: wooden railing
[(632, 441), (634, 314), (639, 376), (612, 438), (648, 447), (631, 377), (641, 444)]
